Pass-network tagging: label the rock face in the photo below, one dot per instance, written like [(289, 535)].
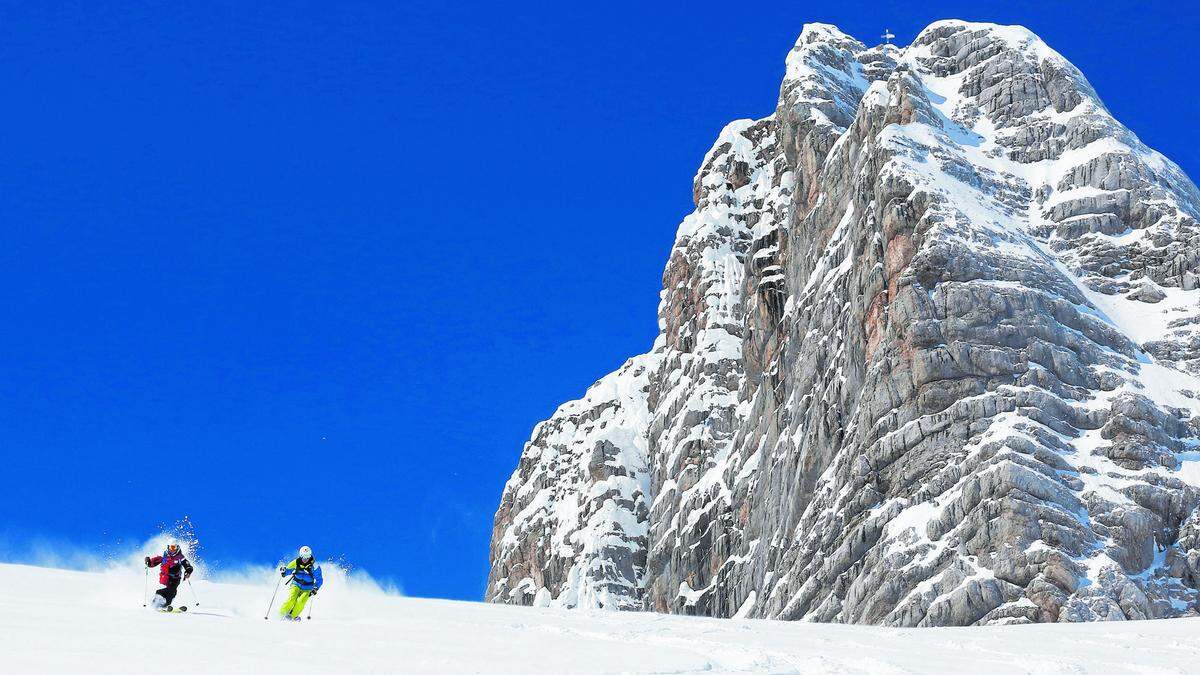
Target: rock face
[(929, 355)]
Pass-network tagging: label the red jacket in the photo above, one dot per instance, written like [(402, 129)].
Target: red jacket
[(171, 567)]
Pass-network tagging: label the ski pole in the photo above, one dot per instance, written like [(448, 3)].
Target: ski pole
[(193, 590), (268, 614), (145, 585), (312, 601)]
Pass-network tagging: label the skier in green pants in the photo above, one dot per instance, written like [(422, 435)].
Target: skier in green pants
[(306, 581)]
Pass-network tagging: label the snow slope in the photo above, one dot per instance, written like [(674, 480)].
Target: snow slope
[(60, 621)]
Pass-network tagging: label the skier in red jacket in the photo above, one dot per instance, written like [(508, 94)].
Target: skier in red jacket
[(173, 569)]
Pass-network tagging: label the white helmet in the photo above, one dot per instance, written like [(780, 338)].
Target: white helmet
[(305, 553)]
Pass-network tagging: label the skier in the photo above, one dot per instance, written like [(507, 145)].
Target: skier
[(306, 581), (173, 570)]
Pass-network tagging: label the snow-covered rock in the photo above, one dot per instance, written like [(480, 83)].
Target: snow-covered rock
[(929, 355)]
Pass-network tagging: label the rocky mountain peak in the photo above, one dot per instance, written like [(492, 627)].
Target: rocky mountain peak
[(929, 355)]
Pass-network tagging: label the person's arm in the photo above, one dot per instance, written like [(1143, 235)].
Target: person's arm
[(286, 569), (317, 578), (187, 568), (151, 562)]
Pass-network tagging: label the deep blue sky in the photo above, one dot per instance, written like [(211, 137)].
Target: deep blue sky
[(310, 273)]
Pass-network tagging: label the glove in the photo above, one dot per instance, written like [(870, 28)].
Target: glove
[(283, 571), (187, 575), (313, 593), (148, 562)]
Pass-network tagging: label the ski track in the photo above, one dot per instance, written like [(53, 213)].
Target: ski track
[(63, 621)]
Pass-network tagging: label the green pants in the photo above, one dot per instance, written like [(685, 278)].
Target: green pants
[(295, 603)]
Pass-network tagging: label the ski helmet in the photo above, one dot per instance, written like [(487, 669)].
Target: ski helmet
[(305, 553), (172, 548)]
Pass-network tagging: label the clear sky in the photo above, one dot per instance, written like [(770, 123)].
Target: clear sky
[(311, 273)]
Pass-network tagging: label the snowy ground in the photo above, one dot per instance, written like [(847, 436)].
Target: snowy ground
[(55, 621)]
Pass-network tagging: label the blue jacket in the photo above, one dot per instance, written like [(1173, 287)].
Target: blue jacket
[(306, 577)]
